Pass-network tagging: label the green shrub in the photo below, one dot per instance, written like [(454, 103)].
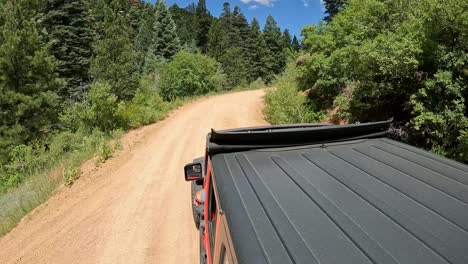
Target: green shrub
[(72, 118), (70, 174), (342, 103), (440, 122), (284, 104), (257, 84), (145, 108), (462, 149), (23, 161), (66, 149), (404, 59), (105, 151), (65, 142), (102, 111), (378, 58), (189, 75), (99, 112), (234, 66)]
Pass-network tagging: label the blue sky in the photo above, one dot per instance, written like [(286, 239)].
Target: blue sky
[(292, 14)]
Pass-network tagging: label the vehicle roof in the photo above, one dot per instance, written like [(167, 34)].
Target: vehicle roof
[(362, 201)]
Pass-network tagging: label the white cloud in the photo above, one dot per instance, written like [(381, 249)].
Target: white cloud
[(253, 7), (306, 3), (260, 2)]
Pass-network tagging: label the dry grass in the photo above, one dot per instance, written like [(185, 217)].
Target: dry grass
[(18, 202)]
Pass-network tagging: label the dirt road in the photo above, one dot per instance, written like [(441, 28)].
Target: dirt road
[(135, 208)]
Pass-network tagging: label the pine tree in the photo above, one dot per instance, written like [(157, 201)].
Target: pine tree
[(247, 43), (2, 19), (333, 7), (234, 65), (114, 60), (135, 16), (69, 31), (186, 24), (235, 61), (226, 14), (241, 26), (144, 37), (192, 8), (255, 26), (29, 82), (99, 8), (296, 45), (227, 20), (166, 42), (238, 28), (203, 22), (287, 41), (217, 40), (276, 57), (258, 53)]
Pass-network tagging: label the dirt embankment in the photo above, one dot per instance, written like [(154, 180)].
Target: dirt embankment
[(135, 208)]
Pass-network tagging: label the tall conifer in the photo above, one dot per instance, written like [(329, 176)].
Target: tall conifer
[(203, 22), (276, 57), (258, 53), (68, 25), (166, 42), (114, 60), (28, 79), (296, 45), (217, 40), (287, 41), (186, 23)]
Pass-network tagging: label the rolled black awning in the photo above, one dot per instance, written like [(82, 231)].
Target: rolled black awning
[(291, 135)]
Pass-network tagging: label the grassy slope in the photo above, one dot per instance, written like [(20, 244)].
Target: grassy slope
[(64, 169)]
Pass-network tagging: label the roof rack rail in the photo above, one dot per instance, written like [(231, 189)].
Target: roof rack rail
[(291, 135)]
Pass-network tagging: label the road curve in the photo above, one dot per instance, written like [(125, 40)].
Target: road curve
[(135, 208)]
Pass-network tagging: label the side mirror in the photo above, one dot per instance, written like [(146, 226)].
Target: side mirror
[(193, 172)]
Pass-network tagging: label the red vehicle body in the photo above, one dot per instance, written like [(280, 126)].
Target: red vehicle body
[(326, 194), (212, 222), (216, 215)]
